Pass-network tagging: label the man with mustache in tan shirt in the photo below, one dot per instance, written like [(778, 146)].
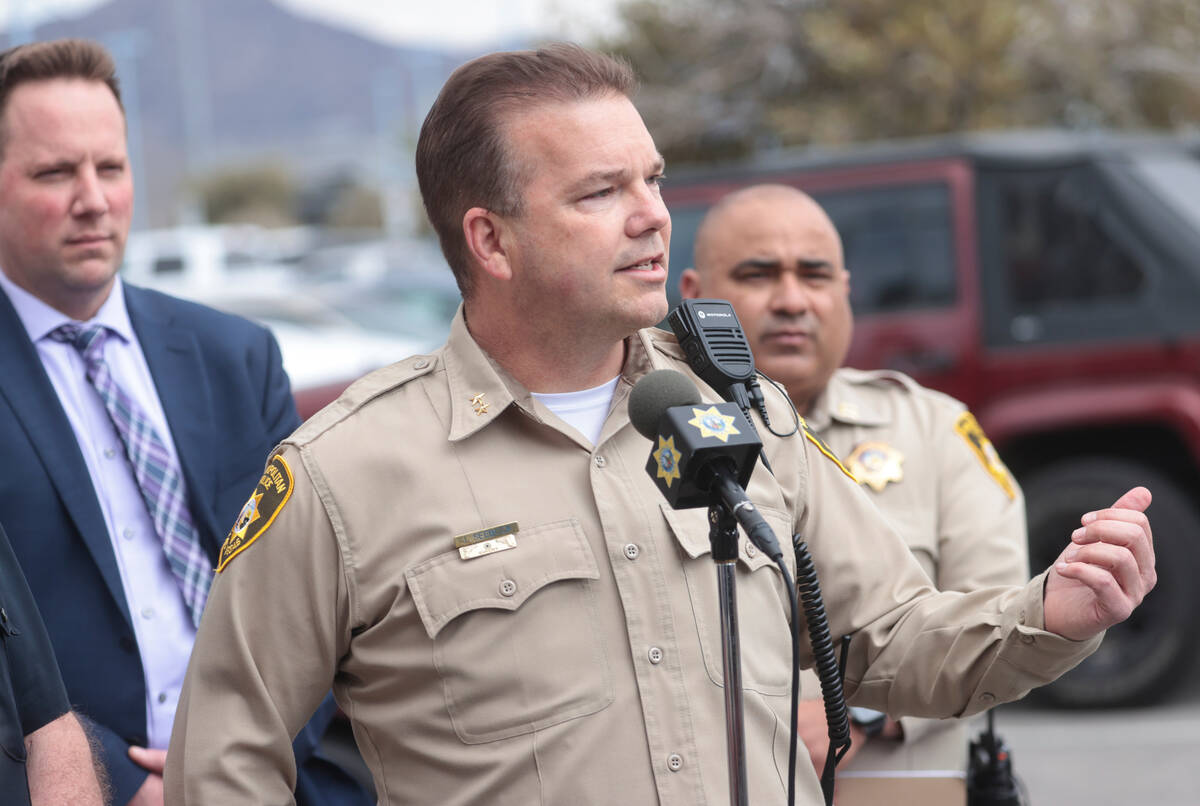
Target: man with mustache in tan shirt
[(773, 252)]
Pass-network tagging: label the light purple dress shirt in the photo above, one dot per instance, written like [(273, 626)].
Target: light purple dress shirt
[(161, 620)]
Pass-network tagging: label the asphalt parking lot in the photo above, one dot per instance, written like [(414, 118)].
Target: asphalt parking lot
[(1132, 757)]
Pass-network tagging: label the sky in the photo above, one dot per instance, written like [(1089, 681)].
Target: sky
[(472, 22), (448, 22)]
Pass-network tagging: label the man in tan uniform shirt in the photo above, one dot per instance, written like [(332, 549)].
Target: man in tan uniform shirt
[(505, 607), (773, 252)]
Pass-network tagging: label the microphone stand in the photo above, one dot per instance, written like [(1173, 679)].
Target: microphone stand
[(723, 536)]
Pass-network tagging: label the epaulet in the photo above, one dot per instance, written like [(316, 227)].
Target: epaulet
[(661, 341), (891, 380), (879, 377), (363, 391)]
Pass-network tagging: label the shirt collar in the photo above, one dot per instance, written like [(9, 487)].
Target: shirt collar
[(480, 388), (844, 402), (39, 319)]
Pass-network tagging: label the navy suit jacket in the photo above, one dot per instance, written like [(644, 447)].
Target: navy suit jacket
[(228, 402)]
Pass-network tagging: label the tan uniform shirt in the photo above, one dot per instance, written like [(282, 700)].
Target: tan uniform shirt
[(922, 459), (581, 666)]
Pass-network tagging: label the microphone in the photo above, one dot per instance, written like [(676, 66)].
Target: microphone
[(701, 450)]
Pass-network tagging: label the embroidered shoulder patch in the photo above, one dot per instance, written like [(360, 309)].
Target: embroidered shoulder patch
[(812, 437), (268, 498), (968, 428)]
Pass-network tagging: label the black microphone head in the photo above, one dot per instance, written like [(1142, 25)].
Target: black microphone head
[(656, 392)]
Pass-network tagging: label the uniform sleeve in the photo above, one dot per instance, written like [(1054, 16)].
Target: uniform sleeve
[(981, 519), (916, 651), (36, 683), (981, 536), (265, 654)]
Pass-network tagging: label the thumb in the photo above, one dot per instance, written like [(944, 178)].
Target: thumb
[(1136, 499), (152, 760)]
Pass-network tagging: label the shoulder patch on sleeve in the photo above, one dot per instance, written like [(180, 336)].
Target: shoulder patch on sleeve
[(812, 437), (968, 428), (268, 498)]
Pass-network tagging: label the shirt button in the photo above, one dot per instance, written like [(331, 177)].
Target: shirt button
[(127, 533), (162, 697), (632, 551), (601, 461), (508, 587), (988, 697), (751, 550), (674, 762), (109, 453), (1021, 620), (147, 612), (420, 363), (655, 654), (1027, 639)]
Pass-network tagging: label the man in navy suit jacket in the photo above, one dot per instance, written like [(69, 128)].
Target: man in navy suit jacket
[(78, 521)]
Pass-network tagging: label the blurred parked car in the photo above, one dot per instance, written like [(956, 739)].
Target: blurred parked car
[(320, 344), (337, 312), (397, 290), (416, 304), (191, 260)]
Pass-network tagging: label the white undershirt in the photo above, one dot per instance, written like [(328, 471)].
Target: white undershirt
[(585, 410)]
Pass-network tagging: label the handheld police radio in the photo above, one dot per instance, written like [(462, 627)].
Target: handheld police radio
[(716, 348), (990, 777)]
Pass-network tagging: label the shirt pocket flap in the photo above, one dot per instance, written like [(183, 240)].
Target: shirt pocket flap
[(446, 586), (690, 527)]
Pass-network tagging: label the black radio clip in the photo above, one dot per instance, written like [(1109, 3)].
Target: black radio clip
[(711, 336)]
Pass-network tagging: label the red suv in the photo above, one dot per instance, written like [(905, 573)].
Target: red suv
[(1049, 280)]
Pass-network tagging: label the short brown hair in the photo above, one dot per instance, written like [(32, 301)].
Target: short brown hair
[(59, 58), (463, 158)]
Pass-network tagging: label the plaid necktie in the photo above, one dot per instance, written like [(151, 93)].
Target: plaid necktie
[(159, 478)]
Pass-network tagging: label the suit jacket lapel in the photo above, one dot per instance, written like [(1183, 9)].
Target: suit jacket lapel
[(173, 356), (37, 408)]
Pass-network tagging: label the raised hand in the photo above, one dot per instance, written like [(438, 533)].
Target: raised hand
[(1105, 572)]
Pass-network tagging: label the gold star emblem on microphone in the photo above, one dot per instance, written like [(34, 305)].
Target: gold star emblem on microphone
[(712, 423)]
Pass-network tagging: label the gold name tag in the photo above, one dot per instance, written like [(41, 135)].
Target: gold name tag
[(487, 547), (487, 541)]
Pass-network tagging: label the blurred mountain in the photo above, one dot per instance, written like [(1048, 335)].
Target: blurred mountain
[(208, 83)]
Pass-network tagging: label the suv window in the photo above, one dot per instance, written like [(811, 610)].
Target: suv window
[(1058, 247), (1062, 260), (898, 246), (897, 240)]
